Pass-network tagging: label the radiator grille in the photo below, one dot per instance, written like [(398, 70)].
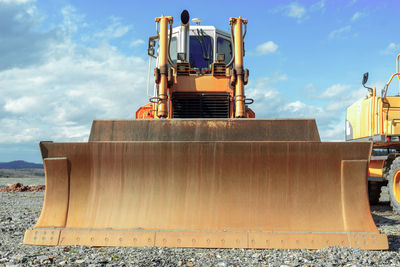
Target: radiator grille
[(200, 105)]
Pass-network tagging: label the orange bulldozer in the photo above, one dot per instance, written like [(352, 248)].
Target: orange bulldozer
[(196, 169)]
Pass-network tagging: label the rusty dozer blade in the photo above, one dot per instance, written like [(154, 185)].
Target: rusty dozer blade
[(207, 194)]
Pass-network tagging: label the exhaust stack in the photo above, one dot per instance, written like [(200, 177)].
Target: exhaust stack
[(183, 49)]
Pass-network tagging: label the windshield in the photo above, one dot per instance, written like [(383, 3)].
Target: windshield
[(201, 51)]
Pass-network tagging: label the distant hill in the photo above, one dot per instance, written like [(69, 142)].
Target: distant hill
[(20, 164)]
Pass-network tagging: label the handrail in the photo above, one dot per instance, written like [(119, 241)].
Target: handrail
[(385, 88), (390, 80)]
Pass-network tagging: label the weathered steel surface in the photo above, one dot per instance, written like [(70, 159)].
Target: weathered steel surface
[(210, 194), (205, 130)]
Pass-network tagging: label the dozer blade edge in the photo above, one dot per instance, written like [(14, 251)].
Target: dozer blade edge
[(207, 194)]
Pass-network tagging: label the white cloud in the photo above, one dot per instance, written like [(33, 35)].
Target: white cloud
[(137, 43), (329, 112), (267, 48), (115, 29), (343, 97), (301, 109), (334, 90), (346, 31), (17, 1), (294, 10), (301, 12), (295, 106), (21, 105), (72, 21), (357, 15), (57, 94), (320, 5), (269, 103), (333, 131), (21, 44), (391, 49), (340, 33)]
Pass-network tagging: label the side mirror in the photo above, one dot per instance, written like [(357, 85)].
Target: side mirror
[(365, 79)]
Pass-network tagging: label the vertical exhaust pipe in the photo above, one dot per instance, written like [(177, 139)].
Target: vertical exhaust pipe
[(240, 111), (183, 49)]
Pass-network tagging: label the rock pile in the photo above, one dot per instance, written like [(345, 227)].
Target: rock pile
[(18, 187)]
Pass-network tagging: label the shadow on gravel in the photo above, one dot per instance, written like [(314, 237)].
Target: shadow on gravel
[(385, 218), (380, 215), (394, 242), (381, 220)]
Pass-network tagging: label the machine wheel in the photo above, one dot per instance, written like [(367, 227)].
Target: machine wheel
[(394, 185), (374, 192)]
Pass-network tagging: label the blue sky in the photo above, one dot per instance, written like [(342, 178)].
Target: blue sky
[(64, 63)]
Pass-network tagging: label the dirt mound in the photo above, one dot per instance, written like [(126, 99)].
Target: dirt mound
[(18, 187)]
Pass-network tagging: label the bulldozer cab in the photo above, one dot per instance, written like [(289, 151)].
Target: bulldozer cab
[(202, 68), (206, 45)]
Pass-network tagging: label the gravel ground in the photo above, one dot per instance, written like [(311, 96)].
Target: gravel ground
[(19, 211)]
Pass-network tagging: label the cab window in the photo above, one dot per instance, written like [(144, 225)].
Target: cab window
[(224, 46), (201, 51), (173, 50)]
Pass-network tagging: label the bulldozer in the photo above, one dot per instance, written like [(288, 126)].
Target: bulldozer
[(376, 118), (197, 169)]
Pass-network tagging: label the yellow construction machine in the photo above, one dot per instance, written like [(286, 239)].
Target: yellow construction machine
[(196, 169), (377, 119)]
